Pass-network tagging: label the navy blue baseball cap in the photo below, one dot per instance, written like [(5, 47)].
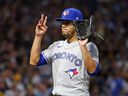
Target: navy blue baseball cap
[(71, 14)]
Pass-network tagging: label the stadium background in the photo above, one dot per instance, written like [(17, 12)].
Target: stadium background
[(18, 19)]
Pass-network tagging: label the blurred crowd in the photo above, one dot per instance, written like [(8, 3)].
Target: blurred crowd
[(18, 19)]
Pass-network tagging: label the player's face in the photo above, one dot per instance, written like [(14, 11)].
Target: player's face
[(68, 29)]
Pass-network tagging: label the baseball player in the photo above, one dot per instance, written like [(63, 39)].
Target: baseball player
[(73, 61)]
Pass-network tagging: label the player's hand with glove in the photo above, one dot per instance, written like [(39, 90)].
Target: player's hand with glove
[(90, 63), (83, 42), (41, 27)]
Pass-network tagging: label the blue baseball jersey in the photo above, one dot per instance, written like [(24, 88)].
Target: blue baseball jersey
[(70, 76)]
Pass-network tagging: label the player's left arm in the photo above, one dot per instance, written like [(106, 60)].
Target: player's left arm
[(90, 56)]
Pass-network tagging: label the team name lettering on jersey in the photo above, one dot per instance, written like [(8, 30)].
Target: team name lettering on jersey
[(67, 56)]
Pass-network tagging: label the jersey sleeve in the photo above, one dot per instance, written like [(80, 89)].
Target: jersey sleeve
[(93, 50), (46, 55)]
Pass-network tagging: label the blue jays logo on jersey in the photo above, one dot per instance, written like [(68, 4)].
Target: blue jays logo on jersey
[(72, 72)]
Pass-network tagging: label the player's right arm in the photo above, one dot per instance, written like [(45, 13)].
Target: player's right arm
[(40, 31)]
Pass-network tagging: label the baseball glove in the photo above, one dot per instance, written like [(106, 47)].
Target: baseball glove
[(86, 29)]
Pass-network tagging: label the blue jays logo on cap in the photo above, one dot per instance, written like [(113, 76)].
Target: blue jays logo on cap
[(66, 13), (71, 14), (72, 72)]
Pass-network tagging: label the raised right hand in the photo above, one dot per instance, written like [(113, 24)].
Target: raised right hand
[(41, 27)]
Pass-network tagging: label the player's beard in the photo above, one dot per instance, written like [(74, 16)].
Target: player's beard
[(68, 34)]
